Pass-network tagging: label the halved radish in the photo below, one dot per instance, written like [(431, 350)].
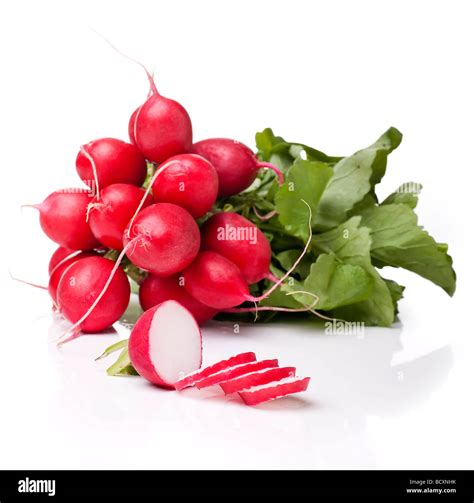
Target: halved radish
[(165, 343), (236, 371), (192, 378), (256, 379), (272, 390)]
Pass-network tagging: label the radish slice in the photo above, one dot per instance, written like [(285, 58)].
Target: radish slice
[(236, 371), (192, 378), (256, 379), (165, 343), (276, 389)]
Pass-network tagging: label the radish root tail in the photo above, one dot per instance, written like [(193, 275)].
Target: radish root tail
[(278, 173), (265, 217), (153, 89), (94, 171)]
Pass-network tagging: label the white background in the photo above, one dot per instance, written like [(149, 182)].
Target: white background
[(331, 74)]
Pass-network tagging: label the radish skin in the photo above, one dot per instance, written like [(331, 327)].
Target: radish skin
[(256, 379), (58, 270), (239, 240), (190, 181), (63, 219), (236, 165), (192, 378), (161, 128), (155, 290), (59, 255), (167, 239), (164, 343), (111, 213), (273, 390), (238, 370), (82, 283), (115, 162)]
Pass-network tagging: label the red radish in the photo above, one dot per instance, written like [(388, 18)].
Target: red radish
[(190, 181), (194, 377), (115, 161), (161, 127), (256, 379), (166, 239), (165, 343), (82, 283), (58, 270), (235, 163), (217, 282), (240, 241), (131, 127), (275, 389), (155, 290), (238, 370), (58, 256), (63, 218), (111, 213)]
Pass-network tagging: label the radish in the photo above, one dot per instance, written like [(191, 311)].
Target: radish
[(231, 372), (107, 161), (80, 294), (190, 181), (59, 254), (275, 389), (161, 127), (60, 267), (192, 378), (235, 163), (217, 282), (240, 241), (63, 218), (155, 290), (257, 378), (165, 239), (165, 343), (110, 214)]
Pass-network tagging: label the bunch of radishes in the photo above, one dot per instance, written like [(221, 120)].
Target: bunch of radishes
[(150, 211), (151, 223)]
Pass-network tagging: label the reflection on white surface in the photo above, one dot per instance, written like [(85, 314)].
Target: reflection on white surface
[(353, 379)]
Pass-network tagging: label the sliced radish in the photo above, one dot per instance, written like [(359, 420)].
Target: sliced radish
[(276, 389), (165, 343), (256, 379), (194, 377), (236, 371)]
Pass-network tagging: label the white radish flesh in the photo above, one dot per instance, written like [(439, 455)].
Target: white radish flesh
[(257, 378), (165, 343)]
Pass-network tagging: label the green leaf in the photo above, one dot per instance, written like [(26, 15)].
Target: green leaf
[(396, 291), (386, 144), (351, 244), (123, 366), (354, 177), (336, 284), (288, 258), (407, 194), (114, 347), (305, 181), (275, 149), (398, 241)]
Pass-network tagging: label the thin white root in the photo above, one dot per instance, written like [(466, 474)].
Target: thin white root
[(298, 260), (94, 171), (76, 326), (148, 190)]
